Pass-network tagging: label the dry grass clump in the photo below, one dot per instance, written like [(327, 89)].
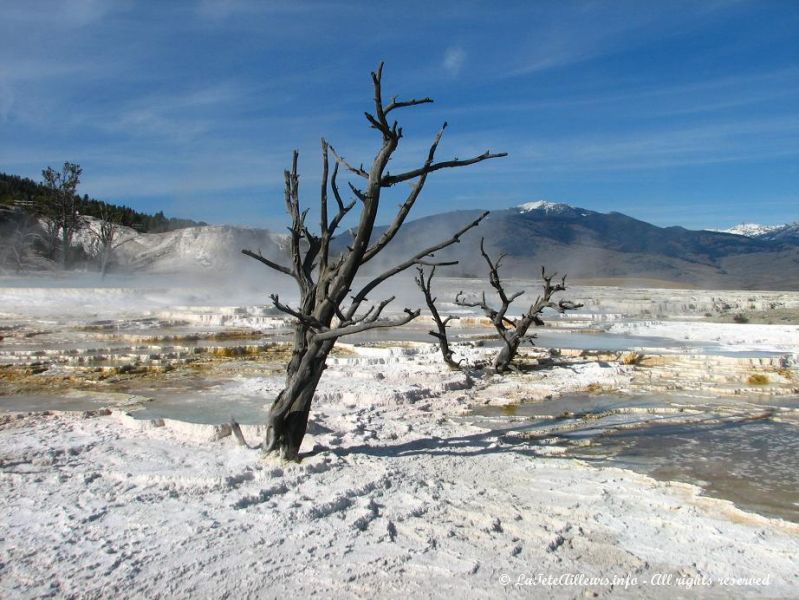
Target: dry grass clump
[(631, 358), (757, 379)]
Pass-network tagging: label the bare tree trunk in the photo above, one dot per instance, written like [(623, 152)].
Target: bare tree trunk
[(503, 359), (288, 415)]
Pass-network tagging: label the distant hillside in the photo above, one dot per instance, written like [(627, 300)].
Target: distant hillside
[(209, 249), (595, 246), (599, 248), (30, 197)]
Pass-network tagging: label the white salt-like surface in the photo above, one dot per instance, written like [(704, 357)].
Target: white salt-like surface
[(397, 498)]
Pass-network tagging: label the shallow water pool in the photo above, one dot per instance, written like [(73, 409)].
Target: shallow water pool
[(743, 449)]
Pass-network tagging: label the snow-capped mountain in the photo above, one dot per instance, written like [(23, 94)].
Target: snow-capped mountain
[(552, 208), (788, 234), (752, 230)]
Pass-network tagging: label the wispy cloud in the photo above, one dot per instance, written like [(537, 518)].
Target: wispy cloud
[(454, 57), (208, 98), (574, 36), (178, 116), (568, 34), (687, 146)]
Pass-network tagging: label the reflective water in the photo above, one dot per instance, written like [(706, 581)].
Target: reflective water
[(213, 406), (743, 449), (573, 339)]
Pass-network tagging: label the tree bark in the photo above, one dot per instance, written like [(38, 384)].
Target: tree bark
[(505, 356), (288, 415)]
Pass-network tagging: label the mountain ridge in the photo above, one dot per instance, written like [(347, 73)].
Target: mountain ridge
[(586, 244), (592, 245)]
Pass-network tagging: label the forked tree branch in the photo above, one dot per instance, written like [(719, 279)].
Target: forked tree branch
[(406, 206), (307, 320), (394, 104), (342, 161), (514, 335)]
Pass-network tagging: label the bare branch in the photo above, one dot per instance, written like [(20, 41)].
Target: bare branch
[(342, 161), (342, 208), (565, 305), (338, 332), (374, 122), (323, 223), (235, 429), (390, 180), (394, 104), (382, 124), (358, 193), (406, 206), (307, 320), (460, 300), (267, 262), (435, 263)]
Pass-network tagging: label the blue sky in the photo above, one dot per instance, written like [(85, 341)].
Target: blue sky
[(675, 113)]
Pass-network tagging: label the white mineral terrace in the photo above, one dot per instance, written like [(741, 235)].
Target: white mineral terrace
[(416, 481)]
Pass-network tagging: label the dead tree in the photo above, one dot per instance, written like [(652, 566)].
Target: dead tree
[(328, 307), (18, 249), (513, 331), (107, 240), (441, 324), (62, 207)]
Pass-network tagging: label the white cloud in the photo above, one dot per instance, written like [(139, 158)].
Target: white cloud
[(454, 58)]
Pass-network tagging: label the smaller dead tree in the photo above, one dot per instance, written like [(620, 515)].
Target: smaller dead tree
[(62, 207), (18, 249), (514, 331), (107, 241), (441, 324)]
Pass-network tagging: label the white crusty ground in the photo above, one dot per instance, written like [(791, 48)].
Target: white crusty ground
[(729, 336), (398, 499)]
